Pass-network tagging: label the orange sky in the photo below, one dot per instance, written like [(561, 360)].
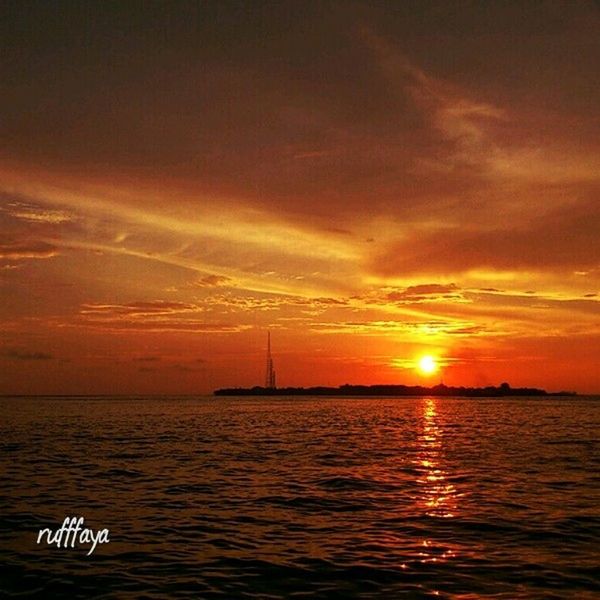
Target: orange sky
[(370, 182)]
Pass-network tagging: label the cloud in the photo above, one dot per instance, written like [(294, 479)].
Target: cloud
[(536, 301), (427, 293), (149, 316), (152, 308), (211, 281), (421, 328), (461, 121), (186, 368), (274, 302), (16, 354), (37, 214), (192, 366), (22, 250), (482, 144), (258, 251), (564, 239), (186, 325)]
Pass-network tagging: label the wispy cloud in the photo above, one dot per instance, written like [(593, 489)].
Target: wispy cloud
[(422, 329), (32, 213), (212, 280), (187, 325), (274, 302), (151, 308), (23, 250)]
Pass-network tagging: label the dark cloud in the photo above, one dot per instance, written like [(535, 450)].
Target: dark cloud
[(538, 301), (186, 368), (276, 103), (426, 293), (26, 355), (563, 239)]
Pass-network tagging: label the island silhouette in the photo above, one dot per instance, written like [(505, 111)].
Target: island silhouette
[(504, 389)]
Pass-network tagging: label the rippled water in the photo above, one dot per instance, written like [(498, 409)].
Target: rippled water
[(304, 497)]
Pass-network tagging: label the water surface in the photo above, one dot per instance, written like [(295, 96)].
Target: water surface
[(304, 497)]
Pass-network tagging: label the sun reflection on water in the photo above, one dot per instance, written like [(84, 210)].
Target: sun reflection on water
[(439, 496)]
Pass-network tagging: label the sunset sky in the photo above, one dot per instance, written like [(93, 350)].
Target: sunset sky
[(372, 182)]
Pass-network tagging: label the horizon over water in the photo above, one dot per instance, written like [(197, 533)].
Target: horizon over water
[(304, 497)]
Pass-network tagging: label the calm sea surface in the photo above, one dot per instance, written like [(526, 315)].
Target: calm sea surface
[(303, 497)]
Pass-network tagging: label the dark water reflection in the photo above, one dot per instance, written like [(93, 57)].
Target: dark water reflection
[(277, 498)]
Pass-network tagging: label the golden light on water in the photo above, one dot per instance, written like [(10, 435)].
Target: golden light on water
[(439, 495)]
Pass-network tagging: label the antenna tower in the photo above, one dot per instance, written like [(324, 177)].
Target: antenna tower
[(270, 375)]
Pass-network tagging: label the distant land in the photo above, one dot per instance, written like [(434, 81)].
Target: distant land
[(503, 389)]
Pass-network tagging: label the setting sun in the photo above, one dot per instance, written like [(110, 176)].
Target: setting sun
[(427, 365)]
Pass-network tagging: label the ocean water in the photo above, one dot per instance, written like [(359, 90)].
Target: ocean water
[(303, 497)]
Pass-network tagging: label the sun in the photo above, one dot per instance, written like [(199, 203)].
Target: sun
[(427, 365)]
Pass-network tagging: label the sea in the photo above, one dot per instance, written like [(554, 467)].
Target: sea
[(302, 497)]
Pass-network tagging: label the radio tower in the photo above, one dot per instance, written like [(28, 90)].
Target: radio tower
[(270, 376)]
